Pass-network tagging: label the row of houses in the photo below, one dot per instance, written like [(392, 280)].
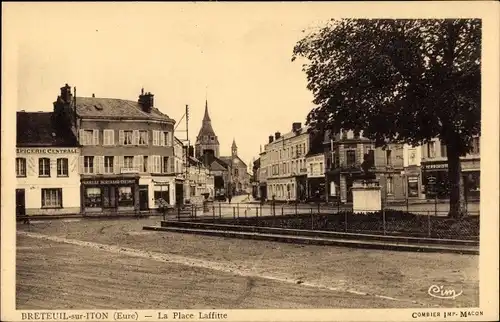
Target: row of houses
[(103, 155), (302, 165)]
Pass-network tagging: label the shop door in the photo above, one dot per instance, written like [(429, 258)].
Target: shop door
[(143, 198), (20, 202), (109, 197), (179, 193)]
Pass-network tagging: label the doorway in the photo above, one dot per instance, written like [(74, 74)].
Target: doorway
[(20, 202), (143, 198), (179, 194)]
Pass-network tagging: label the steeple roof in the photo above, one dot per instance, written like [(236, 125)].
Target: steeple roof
[(234, 144), (206, 127)]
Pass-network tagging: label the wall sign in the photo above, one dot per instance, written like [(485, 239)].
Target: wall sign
[(108, 181), (46, 151)]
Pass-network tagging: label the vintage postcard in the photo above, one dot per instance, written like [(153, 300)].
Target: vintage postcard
[(233, 161)]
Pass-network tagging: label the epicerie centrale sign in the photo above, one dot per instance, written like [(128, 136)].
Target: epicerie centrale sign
[(46, 150)]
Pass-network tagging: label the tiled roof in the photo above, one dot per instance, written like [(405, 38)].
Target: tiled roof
[(39, 129), (96, 107), (227, 160)]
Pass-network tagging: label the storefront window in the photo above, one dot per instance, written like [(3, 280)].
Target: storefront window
[(413, 187), (93, 197), (125, 197)]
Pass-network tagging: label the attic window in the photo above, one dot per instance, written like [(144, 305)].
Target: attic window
[(98, 107)]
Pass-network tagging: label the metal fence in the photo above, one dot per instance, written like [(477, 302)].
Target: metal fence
[(388, 221)]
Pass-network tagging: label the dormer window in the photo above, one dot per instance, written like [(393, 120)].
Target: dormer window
[(212, 138)]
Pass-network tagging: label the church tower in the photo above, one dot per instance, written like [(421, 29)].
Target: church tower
[(234, 149), (206, 141)]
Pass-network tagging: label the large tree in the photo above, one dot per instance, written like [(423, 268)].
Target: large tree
[(399, 81)]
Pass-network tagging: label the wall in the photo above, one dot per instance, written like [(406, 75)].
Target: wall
[(318, 166), (33, 184)]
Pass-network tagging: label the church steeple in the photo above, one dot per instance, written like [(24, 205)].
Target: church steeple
[(207, 139), (234, 148)]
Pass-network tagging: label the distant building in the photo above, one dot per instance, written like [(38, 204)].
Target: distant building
[(230, 172), (48, 182), (283, 164), (435, 164)]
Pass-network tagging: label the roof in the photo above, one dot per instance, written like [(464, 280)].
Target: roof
[(316, 143), (218, 164), (178, 140), (96, 107), (40, 129), (228, 160)]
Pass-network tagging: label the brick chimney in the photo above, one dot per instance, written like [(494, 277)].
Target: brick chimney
[(277, 135), (296, 126), (271, 139), (146, 100), (66, 93)]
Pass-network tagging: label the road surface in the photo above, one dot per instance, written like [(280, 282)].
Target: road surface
[(114, 264)]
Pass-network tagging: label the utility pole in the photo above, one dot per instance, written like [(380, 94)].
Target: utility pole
[(186, 167)]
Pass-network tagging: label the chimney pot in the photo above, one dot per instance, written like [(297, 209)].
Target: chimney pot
[(271, 139), (277, 135), (93, 95), (296, 126)]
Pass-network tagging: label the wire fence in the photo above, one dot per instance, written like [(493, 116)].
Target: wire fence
[(387, 221)]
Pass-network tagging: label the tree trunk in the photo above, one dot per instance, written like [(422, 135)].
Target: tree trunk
[(457, 192)]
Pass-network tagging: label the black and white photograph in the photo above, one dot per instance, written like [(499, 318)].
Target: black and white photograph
[(267, 161)]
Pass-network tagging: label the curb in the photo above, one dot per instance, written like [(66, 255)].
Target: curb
[(319, 241)]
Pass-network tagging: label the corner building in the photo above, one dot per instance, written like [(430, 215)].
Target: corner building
[(127, 158), (47, 178)]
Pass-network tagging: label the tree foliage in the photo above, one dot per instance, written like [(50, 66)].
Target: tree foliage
[(401, 81)]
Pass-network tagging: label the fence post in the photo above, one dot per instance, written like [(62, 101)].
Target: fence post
[(383, 218), (312, 219), (234, 213), (260, 211), (220, 213), (428, 224)]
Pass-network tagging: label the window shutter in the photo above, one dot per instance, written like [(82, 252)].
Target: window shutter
[(147, 137), (157, 164), (116, 164), (172, 164), (140, 163), (112, 137), (82, 164), (155, 137), (121, 137), (150, 163), (95, 137), (82, 137), (101, 164), (135, 137), (122, 163), (162, 139)]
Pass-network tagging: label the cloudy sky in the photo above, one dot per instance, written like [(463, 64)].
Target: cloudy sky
[(237, 54)]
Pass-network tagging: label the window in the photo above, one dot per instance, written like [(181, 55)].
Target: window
[(93, 197), (21, 167), (388, 157), (156, 164), (475, 145), (128, 161), (128, 138), (165, 165), (145, 164), (351, 157), (311, 168), (62, 167), (390, 186), (88, 164), (52, 198), (236, 172), (431, 153), (165, 139), (109, 137), (443, 150), (87, 137), (143, 137), (125, 197), (44, 167), (109, 164)]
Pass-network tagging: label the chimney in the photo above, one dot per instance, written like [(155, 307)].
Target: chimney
[(93, 95), (296, 126), (146, 100), (277, 135), (66, 93), (271, 139)]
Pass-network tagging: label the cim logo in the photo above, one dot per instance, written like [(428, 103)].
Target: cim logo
[(441, 293)]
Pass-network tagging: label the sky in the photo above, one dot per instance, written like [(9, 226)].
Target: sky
[(238, 56)]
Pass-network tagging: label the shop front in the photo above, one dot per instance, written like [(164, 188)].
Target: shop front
[(164, 189), (437, 173), (110, 195), (413, 182), (316, 189)]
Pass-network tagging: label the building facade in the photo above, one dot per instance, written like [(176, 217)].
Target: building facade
[(127, 158), (48, 182), (346, 153), (412, 171), (435, 165), (285, 164)]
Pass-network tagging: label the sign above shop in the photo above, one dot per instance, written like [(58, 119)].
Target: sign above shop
[(108, 181), (46, 150)]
